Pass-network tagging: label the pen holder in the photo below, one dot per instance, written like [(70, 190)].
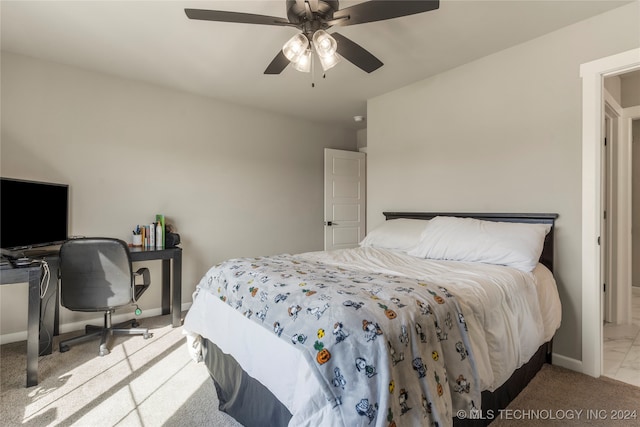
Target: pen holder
[(136, 240)]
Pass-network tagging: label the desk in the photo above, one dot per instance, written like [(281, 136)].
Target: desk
[(175, 297), (32, 276), (171, 298)]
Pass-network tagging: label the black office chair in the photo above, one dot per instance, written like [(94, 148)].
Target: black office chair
[(96, 275)]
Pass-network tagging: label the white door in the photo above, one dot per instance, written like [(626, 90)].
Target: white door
[(344, 198)]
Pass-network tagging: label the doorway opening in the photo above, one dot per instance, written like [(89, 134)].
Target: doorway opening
[(593, 203), (620, 332)]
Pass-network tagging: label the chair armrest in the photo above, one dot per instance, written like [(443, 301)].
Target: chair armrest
[(138, 290), (146, 277)]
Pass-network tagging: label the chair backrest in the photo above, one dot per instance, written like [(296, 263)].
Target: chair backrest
[(95, 274)]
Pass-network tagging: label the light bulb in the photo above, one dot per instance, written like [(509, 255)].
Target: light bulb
[(303, 62), (296, 46), (324, 44), (329, 61)]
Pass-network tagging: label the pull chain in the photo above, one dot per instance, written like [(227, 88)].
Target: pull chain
[(313, 69)]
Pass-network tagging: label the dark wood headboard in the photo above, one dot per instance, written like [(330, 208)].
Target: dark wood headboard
[(546, 257)]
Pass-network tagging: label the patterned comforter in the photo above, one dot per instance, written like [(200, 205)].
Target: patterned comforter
[(388, 350)]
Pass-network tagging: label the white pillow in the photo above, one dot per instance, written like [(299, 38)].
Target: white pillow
[(512, 244), (398, 234)]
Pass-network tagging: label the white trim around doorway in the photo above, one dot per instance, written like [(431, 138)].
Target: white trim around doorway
[(592, 74)]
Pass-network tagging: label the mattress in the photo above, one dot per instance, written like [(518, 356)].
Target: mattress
[(508, 313)]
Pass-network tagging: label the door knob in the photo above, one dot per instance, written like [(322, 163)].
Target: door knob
[(330, 223)]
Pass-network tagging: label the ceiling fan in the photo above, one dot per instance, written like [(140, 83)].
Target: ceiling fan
[(313, 18)]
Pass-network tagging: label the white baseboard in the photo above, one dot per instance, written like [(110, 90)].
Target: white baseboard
[(77, 326), (566, 362), (13, 337)]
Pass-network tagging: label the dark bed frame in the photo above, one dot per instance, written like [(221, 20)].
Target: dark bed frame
[(238, 393)]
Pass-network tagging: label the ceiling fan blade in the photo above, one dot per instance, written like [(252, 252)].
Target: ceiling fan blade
[(313, 4), (278, 64), (379, 10), (356, 54), (237, 17)]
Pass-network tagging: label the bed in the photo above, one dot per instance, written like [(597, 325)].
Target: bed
[(436, 319)]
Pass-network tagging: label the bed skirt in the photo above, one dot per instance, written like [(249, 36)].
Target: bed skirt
[(251, 403), (241, 396)]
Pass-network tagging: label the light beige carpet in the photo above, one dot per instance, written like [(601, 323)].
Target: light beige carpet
[(140, 383)]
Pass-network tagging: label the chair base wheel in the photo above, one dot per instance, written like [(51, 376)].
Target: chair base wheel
[(147, 336), (64, 348), (134, 324), (103, 351)]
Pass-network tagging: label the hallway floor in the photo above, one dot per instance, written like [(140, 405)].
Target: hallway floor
[(621, 352)]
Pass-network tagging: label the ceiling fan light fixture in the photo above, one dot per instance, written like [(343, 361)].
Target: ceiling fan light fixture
[(324, 44), (313, 18), (326, 47), (303, 62), (329, 61), (295, 47)]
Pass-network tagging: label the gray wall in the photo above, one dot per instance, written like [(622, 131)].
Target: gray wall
[(235, 181), (501, 134)]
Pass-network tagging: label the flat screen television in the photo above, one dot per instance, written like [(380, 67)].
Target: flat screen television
[(32, 214)]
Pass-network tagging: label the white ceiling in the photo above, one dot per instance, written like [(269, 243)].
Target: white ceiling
[(154, 41)]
